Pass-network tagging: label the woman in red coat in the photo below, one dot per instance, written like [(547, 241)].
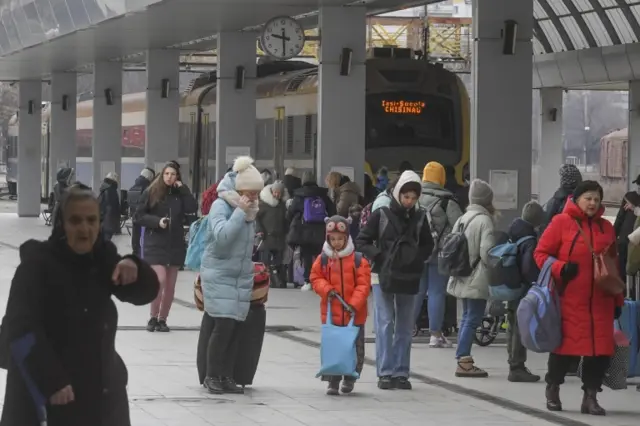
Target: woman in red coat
[(587, 312)]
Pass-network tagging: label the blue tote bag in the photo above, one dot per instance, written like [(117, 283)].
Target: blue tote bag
[(338, 346)]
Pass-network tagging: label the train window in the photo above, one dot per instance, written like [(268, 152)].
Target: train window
[(411, 119), (290, 135), (308, 137)]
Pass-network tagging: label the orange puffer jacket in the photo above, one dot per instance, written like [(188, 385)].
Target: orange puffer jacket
[(341, 275)]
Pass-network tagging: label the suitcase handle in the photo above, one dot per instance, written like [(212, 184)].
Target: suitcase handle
[(633, 281)]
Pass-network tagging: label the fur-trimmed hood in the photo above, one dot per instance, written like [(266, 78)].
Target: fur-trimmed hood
[(267, 197)]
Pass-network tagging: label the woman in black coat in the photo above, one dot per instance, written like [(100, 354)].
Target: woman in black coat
[(163, 211), (58, 333)]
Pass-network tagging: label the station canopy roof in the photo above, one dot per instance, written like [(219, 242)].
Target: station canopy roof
[(564, 25), (38, 37)]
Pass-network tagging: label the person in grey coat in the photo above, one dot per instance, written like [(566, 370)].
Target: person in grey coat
[(272, 228), (443, 211)]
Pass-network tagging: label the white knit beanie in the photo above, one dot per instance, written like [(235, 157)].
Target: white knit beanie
[(248, 178)]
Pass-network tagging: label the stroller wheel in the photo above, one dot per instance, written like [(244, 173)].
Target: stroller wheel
[(484, 334)]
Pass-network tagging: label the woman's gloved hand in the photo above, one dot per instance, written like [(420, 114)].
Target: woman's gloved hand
[(617, 312), (569, 271)]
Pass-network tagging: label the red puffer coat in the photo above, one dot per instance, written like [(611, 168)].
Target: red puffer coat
[(587, 312)]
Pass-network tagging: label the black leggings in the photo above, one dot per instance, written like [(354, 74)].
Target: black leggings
[(217, 347), (593, 369)]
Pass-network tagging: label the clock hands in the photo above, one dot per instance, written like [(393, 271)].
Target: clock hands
[(284, 39)]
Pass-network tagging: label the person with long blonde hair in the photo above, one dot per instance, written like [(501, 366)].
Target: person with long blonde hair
[(161, 211)]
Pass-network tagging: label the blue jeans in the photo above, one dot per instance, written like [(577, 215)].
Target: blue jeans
[(472, 313), (394, 323), (435, 285)]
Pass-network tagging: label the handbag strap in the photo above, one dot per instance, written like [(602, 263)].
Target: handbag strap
[(584, 236)]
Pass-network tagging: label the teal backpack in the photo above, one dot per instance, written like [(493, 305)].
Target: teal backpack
[(198, 232)]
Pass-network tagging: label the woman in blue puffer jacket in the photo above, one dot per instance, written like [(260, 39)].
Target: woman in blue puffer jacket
[(227, 270)]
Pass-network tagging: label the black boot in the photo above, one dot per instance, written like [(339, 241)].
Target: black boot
[(347, 385), (522, 375), (152, 324), (590, 403), (214, 385), (282, 275), (553, 398), (229, 385), (385, 382), (332, 387), (162, 326)]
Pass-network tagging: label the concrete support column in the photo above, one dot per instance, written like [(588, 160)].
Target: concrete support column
[(501, 113), (236, 108), (62, 149), (341, 98), (162, 131), (633, 156), (550, 159), (29, 148), (107, 121)]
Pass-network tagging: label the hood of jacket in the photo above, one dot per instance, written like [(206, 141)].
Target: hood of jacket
[(562, 193), (430, 188), (108, 183), (267, 197), (350, 187), (346, 251), (572, 209), (408, 177), (65, 175), (520, 228), (311, 190), (141, 182)]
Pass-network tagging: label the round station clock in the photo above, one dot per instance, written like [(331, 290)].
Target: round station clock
[(282, 38)]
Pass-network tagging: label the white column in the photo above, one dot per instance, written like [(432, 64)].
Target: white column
[(550, 159), (107, 121), (633, 156), (236, 108), (29, 148), (501, 113), (62, 150), (162, 131), (341, 99)]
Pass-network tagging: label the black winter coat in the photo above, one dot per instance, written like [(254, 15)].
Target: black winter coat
[(307, 234), (527, 265), (292, 183), (134, 195), (555, 205), (377, 247), (626, 219), (165, 246), (271, 221), (109, 207), (63, 300)]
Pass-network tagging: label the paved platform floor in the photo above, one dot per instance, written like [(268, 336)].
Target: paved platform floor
[(164, 389)]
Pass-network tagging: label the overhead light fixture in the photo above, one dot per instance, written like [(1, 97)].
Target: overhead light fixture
[(165, 86), (240, 75), (65, 102), (108, 95), (30, 107), (345, 61), (509, 37), (553, 114)]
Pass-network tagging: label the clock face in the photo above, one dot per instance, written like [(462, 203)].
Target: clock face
[(282, 38)]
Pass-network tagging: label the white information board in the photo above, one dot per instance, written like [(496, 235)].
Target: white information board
[(345, 171), (233, 152), (505, 189)]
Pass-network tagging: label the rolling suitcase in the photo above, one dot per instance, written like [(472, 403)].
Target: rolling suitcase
[(629, 323)]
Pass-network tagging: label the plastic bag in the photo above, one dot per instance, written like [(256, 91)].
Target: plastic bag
[(338, 346)]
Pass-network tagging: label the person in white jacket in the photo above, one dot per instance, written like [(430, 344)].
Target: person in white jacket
[(478, 223)]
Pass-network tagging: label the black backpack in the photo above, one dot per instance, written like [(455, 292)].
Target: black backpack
[(401, 265), (453, 258)]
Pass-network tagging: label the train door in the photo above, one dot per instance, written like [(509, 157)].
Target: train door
[(194, 157), (44, 163), (279, 130)]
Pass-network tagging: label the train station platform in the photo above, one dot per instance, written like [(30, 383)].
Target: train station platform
[(164, 389)]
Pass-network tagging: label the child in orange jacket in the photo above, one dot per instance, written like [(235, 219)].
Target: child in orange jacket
[(340, 270)]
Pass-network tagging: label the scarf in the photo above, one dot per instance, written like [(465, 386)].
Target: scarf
[(232, 198)]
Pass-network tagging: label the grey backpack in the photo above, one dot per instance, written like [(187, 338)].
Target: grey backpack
[(453, 257)]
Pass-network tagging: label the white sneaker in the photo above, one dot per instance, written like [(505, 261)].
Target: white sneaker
[(439, 342), (306, 287)]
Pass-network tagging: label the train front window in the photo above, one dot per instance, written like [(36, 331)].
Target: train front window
[(410, 119)]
